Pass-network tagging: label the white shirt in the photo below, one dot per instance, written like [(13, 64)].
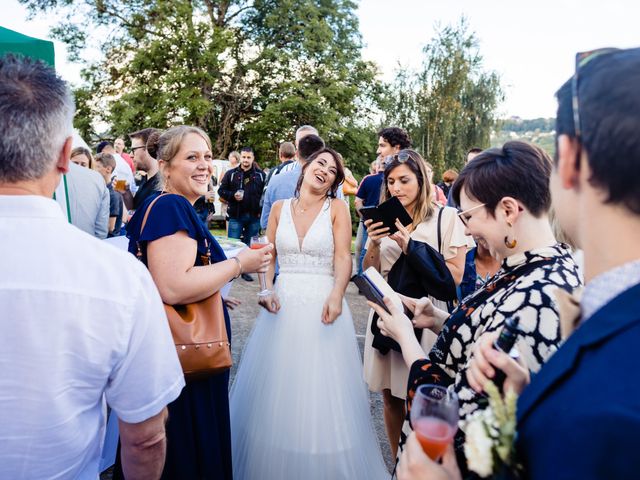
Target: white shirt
[(82, 323), (123, 172)]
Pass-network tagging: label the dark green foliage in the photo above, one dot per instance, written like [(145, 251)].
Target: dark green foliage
[(250, 71), (247, 72)]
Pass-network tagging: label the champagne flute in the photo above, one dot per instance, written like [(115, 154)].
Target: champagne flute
[(434, 418), (260, 241)]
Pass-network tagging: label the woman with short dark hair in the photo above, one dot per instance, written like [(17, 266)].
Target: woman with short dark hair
[(505, 200)]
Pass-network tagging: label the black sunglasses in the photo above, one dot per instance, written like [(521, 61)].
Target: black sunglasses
[(133, 149), (582, 58)]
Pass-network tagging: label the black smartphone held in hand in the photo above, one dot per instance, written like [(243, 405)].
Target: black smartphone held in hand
[(387, 213), (375, 288), (505, 342), (369, 290)]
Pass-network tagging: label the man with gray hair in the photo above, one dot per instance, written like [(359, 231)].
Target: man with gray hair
[(301, 132), (82, 325)]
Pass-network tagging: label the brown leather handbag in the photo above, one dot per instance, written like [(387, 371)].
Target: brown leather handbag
[(198, 329)]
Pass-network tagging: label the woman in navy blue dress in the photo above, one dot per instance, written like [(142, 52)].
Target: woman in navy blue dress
[(198, 430)]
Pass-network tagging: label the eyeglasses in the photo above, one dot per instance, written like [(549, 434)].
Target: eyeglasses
[(582, 58), (465, 212), (133, 149)]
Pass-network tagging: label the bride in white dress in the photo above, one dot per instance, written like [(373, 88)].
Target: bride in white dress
[(299, 405)]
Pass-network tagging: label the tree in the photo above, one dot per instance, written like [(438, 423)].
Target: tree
[(449, 105), (247, 72)]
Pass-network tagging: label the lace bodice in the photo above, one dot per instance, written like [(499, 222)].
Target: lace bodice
[(316, 254)]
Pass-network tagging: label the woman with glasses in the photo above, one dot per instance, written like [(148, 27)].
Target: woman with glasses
[(504, 197), (402, 259)]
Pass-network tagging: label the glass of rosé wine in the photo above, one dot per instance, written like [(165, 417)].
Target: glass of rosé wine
[(434, 418), (260, 241)]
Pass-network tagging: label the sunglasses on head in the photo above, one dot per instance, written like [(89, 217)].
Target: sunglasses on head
[(582, 58), (402, 156)]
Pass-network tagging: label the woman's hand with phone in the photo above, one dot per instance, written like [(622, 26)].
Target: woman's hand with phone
[(486, 359), (393, 323), (376, 231)]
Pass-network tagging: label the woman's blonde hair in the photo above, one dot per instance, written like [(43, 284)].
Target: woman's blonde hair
[(236, 154), (166, 145), (413, 160), (169, 141)]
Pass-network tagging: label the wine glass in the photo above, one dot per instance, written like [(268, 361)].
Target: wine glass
[(260, 241), (434, 418)]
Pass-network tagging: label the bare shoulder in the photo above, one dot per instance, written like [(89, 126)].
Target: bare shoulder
[(277, 207), (338, 207), (274, 214)]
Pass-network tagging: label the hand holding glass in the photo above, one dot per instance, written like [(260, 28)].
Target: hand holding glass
[(434, 417), (257, 242)]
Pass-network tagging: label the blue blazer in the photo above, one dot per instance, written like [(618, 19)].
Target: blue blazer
[(580, 416)]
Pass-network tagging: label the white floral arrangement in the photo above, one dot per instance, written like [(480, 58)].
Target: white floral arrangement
[(490, 435)]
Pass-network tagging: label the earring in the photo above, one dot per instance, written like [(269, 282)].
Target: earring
[(512, 243)]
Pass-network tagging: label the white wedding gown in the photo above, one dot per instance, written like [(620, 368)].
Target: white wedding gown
[(299, 405)]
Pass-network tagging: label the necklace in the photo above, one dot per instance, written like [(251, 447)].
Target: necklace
[(298, 209)]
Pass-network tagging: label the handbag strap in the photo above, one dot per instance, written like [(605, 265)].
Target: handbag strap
[(146, 214), (440, 230), (206, 259)]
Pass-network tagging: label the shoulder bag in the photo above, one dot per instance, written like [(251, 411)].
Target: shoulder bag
[(198, 328)]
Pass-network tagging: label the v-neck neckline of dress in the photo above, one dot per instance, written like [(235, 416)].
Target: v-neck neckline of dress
[(295, 229)]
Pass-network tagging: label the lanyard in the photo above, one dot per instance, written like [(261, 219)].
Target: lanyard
[(66, 197)]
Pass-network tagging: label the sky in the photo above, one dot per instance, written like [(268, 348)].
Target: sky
[(530, 44)]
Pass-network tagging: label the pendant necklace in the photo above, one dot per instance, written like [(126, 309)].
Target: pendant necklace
[(300, 209)]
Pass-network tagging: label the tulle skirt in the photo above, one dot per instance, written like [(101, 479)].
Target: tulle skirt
[(299, 405)]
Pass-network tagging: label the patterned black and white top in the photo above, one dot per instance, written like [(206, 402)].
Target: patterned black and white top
[(530, 294)]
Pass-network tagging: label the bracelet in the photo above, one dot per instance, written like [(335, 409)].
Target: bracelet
[(239, 267)]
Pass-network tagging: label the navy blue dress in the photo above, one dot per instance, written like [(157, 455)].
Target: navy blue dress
[(198, 430)]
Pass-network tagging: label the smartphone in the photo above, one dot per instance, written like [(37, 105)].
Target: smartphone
[(369, 290), (387, 213), (370, 213), (375, 288)]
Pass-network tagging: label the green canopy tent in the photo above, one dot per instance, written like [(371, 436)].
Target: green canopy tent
[(14, 42)]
